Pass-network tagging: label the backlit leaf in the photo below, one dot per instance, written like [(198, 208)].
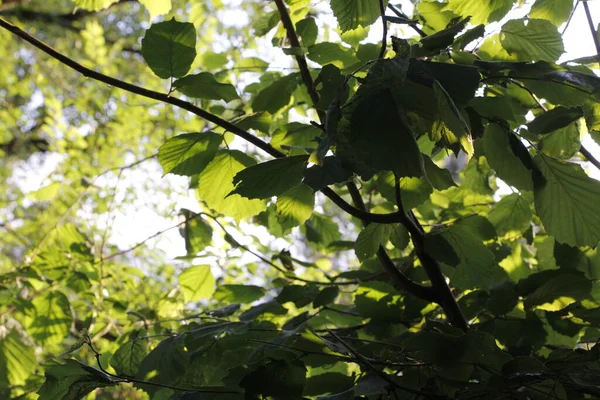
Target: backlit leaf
[(197, 283), (270, 178), (566, 200), (189, 153), (169, 48), (216, 183), (532, 40), (205, 86), (353, 13)]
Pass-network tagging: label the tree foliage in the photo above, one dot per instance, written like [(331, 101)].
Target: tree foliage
[(349, 239)]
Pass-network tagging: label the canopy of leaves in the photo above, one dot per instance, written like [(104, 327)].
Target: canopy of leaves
[(264, 200)]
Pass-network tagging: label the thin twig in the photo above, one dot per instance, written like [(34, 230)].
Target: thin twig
[(363, 360), (385, 29), (588, 155), (570, 17), (300, 59), (588, 15), (405, 17), (168, 99)]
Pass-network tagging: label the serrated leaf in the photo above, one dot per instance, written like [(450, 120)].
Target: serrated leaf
[(93, 5), (566, 200), (169, 48), (381, 138), (503, 160), (511, 216), (277, 95), (332, 53), (18, 359), (326, 296), (555, 11), (165, 364), (296, 204), (571, 284), (475, 263), (440, 178), (353, 13), (128, 357), (197, 283), (270, 178), (239, 293), (532, 40), (196, 232), (72, 380), (565, 142), (480, 11), (369, 240), (331, 172), (556, 118), (216, 182), (51, 318), (189, 153), (307, 30), (205, 86), (399, 236), (157, 7)]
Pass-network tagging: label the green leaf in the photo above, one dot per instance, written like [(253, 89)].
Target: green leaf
[(369, 240), (469, 36), (453, 118), (238, 293), (196, 232), (72, 381), (569, 284), (440, 178), (307, 30), (328, 83), (444, 38), (532, 40), (157, 7), (270, 178), (480, 11), (326, 296), (565, 142), (566, 200), (216, 182), (558, 117), (502, 158), (189, 153), (300, 295), (321, 229), (476, 263), (276, 378), (128, 357), (331, 172), (381, 138), (399, 236), (332, 53), (18, 360), (93, 5), (197, 283), (511, 216), (205, 86), (503, 298), (555, 11), (277, 95), (51, 318), (271, 307), (165, 365), (296, 204), (169, 48), (351, 14)]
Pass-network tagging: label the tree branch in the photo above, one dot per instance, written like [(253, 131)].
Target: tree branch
[(404, 17), (385, 28), (165, 98), (300, 59)]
